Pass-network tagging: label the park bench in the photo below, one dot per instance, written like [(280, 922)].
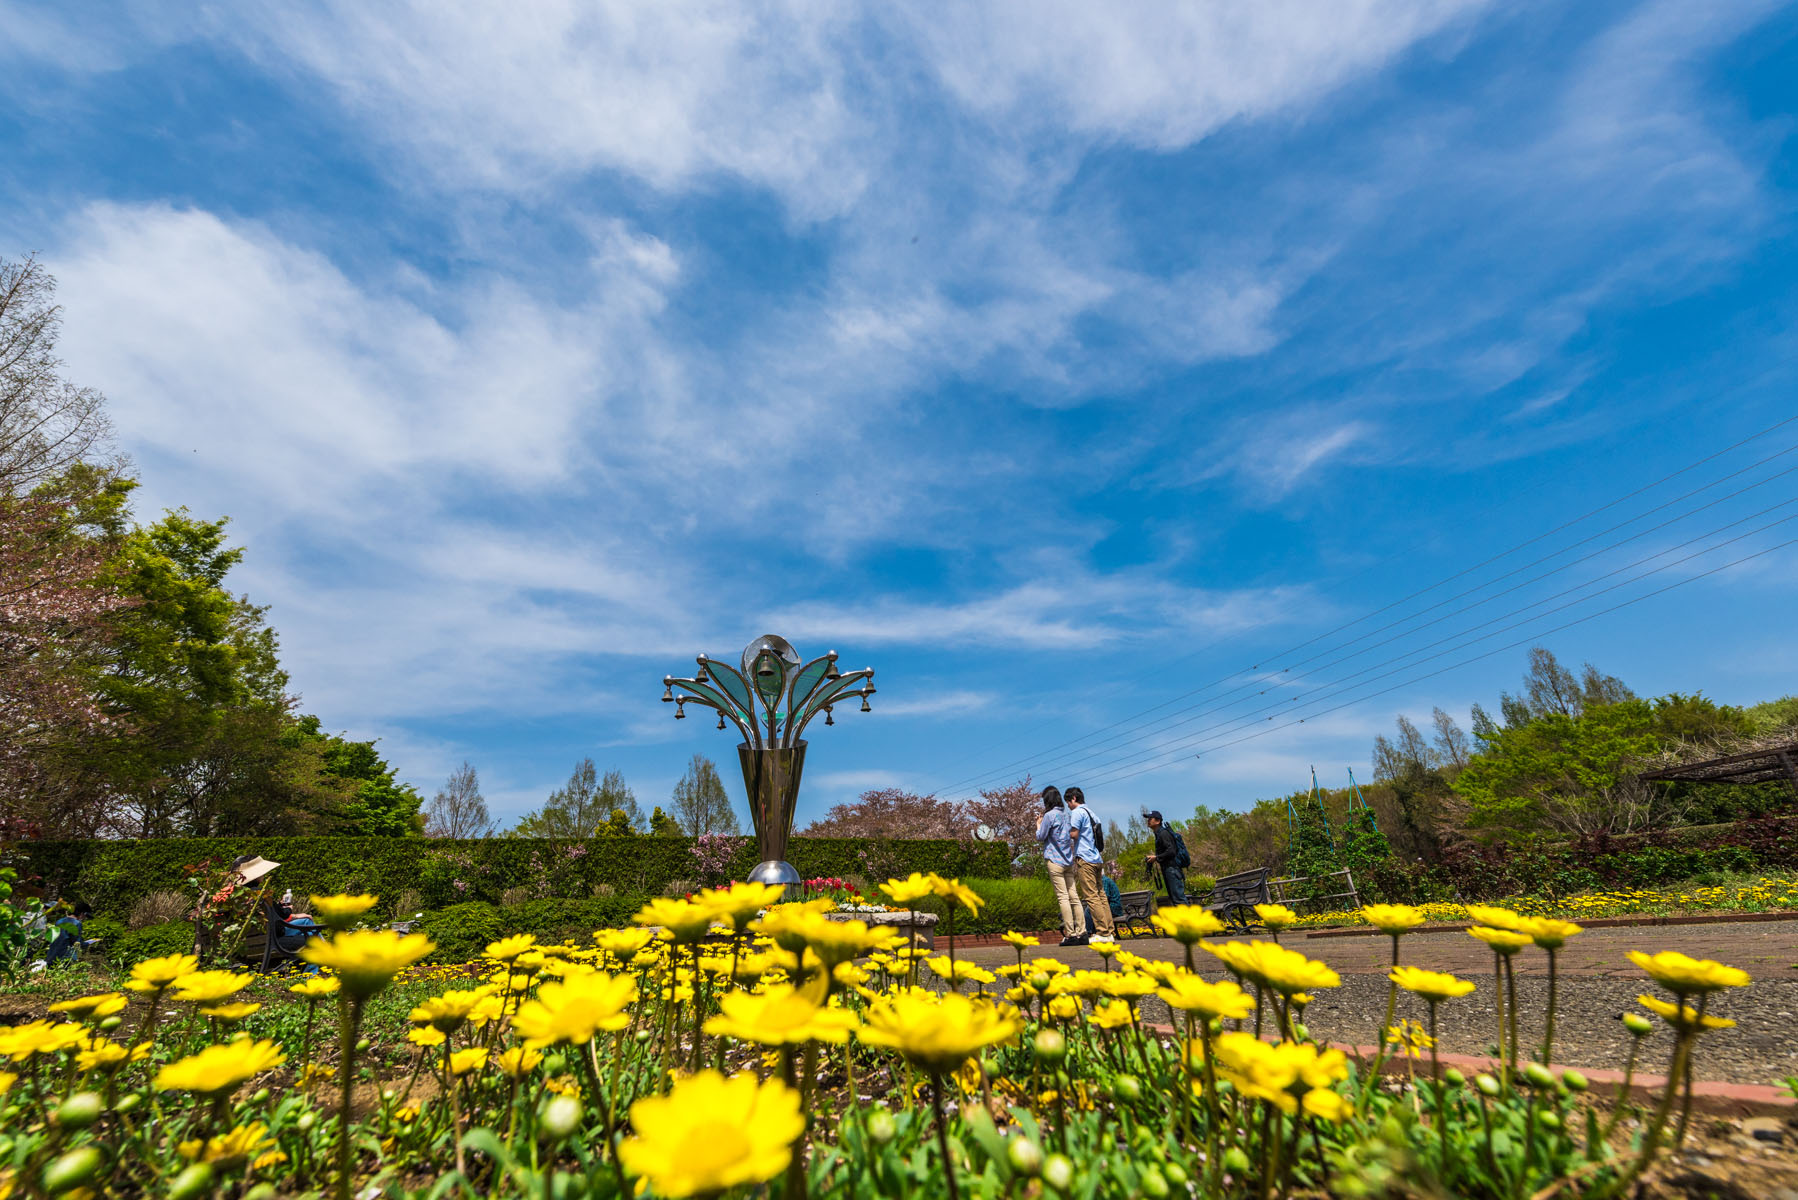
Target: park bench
[(1233, 898), (277, 942), (1136, 909), (1309, 890)]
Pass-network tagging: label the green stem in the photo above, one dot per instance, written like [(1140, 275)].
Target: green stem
[(349, 1021), (1441, 1093), (1548, 1035), (942, 1132)]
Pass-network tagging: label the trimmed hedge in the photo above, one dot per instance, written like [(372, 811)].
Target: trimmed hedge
[(114, 875), (462, 931)]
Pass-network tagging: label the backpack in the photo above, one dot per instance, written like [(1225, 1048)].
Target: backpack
[(1181, 858), (1098, 836)]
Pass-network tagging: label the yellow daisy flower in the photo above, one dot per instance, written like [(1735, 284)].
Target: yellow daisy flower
[(709, 1134)]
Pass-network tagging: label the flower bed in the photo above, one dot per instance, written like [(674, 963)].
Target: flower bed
[(1761, 894), (802, 1055)]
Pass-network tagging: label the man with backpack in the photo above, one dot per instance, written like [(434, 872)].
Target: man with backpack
[(1089, 858), (1171, 857)]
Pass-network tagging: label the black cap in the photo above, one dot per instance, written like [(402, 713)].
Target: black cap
[(1153, 814)]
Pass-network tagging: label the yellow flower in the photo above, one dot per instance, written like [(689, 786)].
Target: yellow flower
[(40, 1037), (518, 1061), (1020, 940), (780, 1016), (231, 1012), (1327, 1105), (1685, 976), (797, 927), (909, 890), (1128, 985), (1392, 919), (1274, 966), (450, 1010), (229, 1151), (367, 959), (1276, 1073), (623, 944), (210, 987), (425, 1036), (1113, 1014), (7, 1079), (1186, 923), (507, 949), (1189, 993), (104, 1005), (1276, 916), (464, 1061), (575, 1010), (710, 1133), (1683, 1016), (956, 892), (685, 921), (938, 1032), (1064, 1008), (959, 970), (1432, 985), (1502, 941), (220, 1068), (316, 987), (154, 974), (1547, 932), (740, 903), (318, 1073), (341, 912), (103, 1052), (1495, 917)]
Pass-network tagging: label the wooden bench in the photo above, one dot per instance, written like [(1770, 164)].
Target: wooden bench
[(1136, 909), (1233, 898)]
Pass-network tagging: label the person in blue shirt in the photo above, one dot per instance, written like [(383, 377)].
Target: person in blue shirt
[(1089, 863), (1058, 853), (66, 945)]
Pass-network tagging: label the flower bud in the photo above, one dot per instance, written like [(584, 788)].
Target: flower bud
[(1539, 1075), (882, 1128), (261, 1095), (1300, 1033), (1127, 1088), (80, 1110), (1236, 1161), (363, 1045), (128, 1103), (1058, 1172), (77, 1167), (192, 1183), (561, 1116), (1024, 1155), (111, 1023), (262, 1191), (1549, 1119), (1154, 1183), (555, 1064), (643, 1036), (1040, 981), (1637, 1024), (1050, 1046), (1574, 1080), (1454, 1077), (1176, 1174), (307, 1121), (1488, 1086)]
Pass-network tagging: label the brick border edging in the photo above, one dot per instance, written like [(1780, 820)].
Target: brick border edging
[(1595, 923), (975, 941), (1710, 1097)]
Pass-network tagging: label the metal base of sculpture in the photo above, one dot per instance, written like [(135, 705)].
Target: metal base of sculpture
[(771, 782)]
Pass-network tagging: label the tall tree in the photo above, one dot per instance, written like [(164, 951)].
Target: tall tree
[(581, 807), (48, 425), (700, 803), (1011, 812), (458, 810), (1450, 744)]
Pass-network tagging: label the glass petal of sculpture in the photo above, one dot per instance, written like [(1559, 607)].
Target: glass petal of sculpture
[(771, 697)]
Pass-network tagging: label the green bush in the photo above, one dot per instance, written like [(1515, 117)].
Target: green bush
[(461, 931), (114, 875), (1026, 905), (152, 941)]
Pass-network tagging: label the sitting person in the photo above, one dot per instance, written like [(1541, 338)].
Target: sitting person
[(1113, 897), (66, 945)]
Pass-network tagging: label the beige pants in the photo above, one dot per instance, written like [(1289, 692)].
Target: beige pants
[(1065, 881), (1092, 894)]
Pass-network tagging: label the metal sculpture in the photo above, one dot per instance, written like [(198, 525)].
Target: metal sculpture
[(770, 699)]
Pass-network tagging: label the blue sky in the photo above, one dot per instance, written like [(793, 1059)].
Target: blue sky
[(1056, 360)]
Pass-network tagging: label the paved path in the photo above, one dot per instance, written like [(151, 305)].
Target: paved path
[(1598, 983)]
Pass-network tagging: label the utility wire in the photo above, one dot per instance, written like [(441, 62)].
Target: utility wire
[(1689, 467)]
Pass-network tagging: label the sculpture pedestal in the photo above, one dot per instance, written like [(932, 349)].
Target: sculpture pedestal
[(782, 874)]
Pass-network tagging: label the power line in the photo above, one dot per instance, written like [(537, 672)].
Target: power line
[(1074, 750), (1465, 662), (1337, 686), (997, 771)]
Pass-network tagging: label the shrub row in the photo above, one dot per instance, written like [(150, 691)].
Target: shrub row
[(114, 875)]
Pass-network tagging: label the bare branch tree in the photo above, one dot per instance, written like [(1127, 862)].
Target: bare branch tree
[(458, 810), (47, 424)]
